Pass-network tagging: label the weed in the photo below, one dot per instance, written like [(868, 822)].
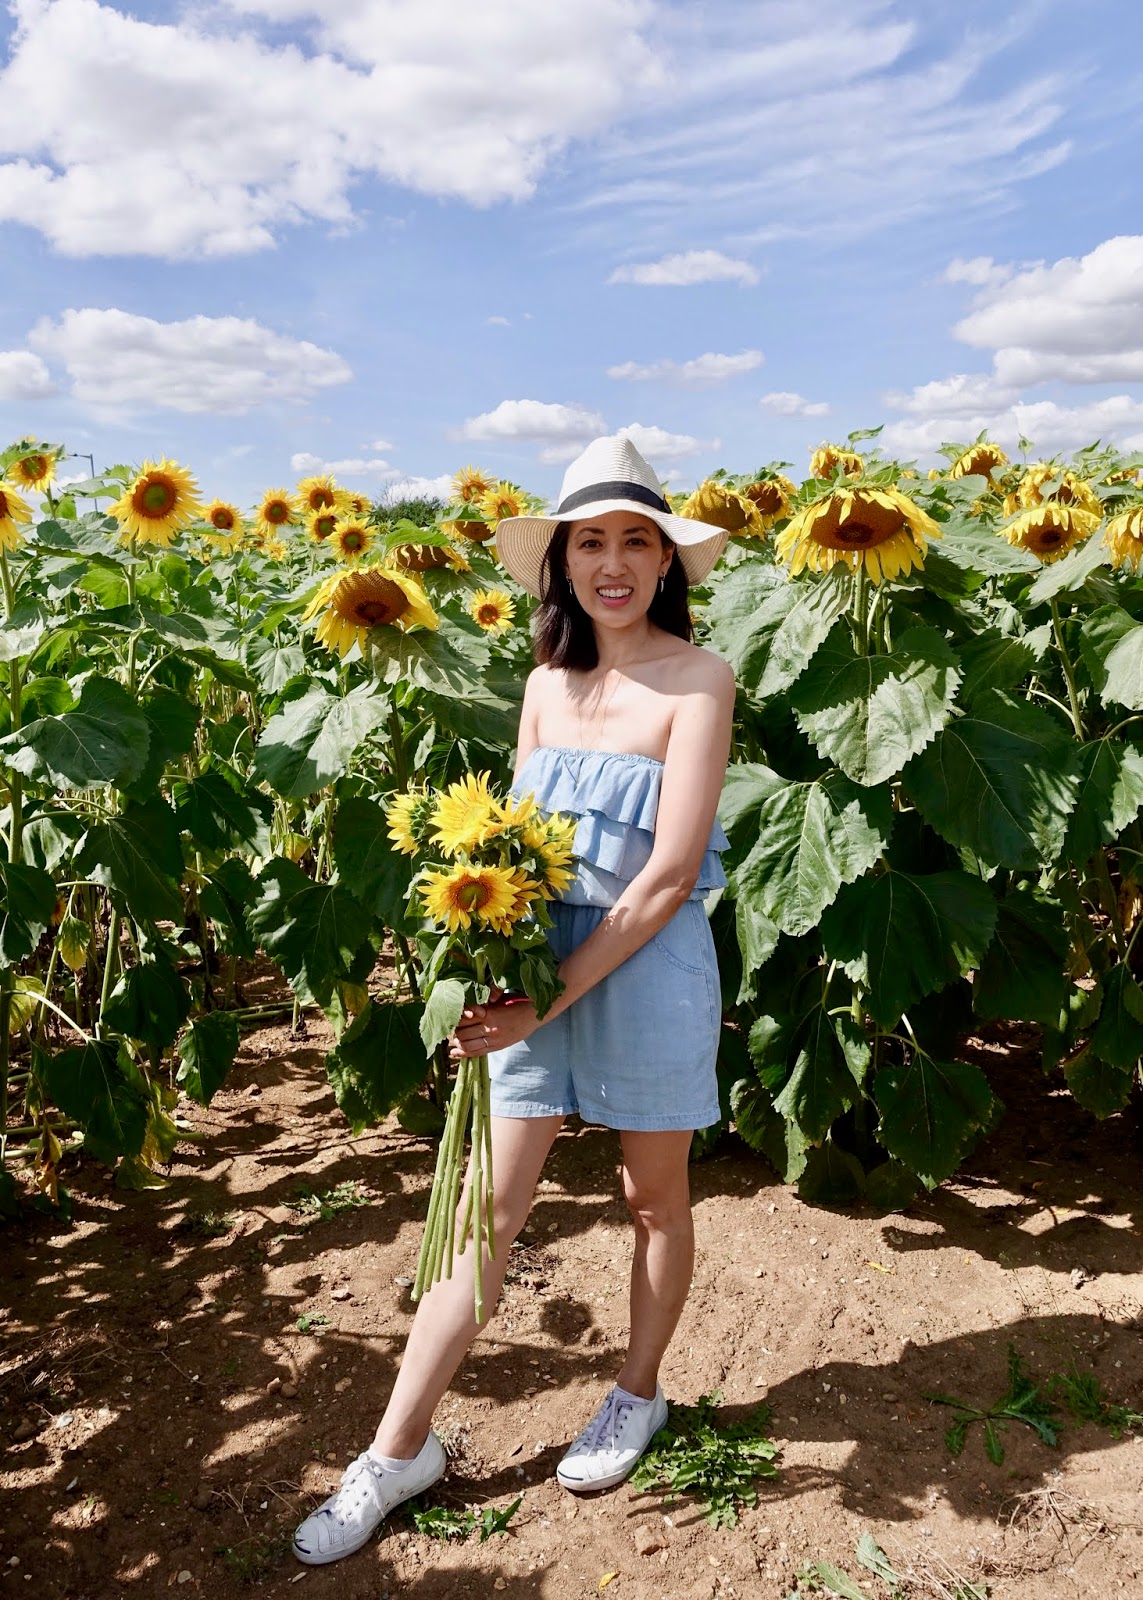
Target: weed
[(717, 1465), (440, 1523), (926, 1577), (312, 1322), (1086, 1400), (206, 1224), (1021, 1402), (230, 1368), (320, 1207), (254, 1559)]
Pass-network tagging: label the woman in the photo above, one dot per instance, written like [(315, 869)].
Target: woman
[(627, 724)]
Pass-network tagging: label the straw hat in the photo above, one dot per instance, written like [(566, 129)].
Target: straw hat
[(610, 475)]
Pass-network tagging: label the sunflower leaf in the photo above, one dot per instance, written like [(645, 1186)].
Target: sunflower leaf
[(1022, 974), (312, 740), (832, 1177), (429, 660), (318, 933), (931, 1113), (1110, 795), (904, 937), (1001, 782), (1099, 1086), (104, 740), (1111, 642), (1070, 572), (27, 900), (206, 1054), (378, 1061), (100, 1086), (138, 853), (830, 1055), (869, 714), (995, 660), (1118, 1035)]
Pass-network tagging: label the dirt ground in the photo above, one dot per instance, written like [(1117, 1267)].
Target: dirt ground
[(165, 1422)]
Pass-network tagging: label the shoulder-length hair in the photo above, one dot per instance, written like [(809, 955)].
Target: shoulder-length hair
[(562, 633)]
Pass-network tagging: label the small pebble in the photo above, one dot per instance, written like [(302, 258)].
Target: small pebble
[(344, 1293), (288, 1390), (273, 1386), (185, 1576)]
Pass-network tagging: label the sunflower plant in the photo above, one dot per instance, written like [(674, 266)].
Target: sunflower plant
[(483, 866)]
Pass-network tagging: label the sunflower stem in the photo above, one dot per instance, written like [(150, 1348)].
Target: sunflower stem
[(1067, 668), (861, 606), (397, 750), (1110, 901)]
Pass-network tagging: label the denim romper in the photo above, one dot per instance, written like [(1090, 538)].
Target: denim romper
[(638, 1050)]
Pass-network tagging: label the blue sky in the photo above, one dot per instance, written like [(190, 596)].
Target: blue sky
[(260, 236)]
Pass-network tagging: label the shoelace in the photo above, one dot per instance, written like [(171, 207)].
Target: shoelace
[(351, 1492), (607, 1424)]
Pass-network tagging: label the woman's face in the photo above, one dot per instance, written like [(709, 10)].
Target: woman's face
[(614, 563)]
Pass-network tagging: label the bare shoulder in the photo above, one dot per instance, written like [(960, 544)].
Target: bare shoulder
[(696, 670)]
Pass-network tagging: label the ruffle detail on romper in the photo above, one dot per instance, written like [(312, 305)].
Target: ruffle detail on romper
[(615, 797)]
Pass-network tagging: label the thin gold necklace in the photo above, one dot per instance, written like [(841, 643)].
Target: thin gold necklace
[(583, 745)]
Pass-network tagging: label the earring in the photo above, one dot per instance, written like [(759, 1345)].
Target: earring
[(662, 583)]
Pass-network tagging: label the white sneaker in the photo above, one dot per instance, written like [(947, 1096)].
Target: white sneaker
[(606, 1451), (362, 1501)]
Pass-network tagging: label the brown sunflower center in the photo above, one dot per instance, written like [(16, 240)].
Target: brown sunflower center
[(319, 499), (1047, 538), (1064, 495), (276, 511), (222, 517), (353, 541), (155, 497), (324, 526), (767, 497), (471, 894), (32, 468), (374, 603), (4, 508), (488, 614)]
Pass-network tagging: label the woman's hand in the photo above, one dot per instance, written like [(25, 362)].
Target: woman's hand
[(492, 1027)]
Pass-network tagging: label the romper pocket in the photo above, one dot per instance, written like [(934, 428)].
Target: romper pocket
[(681, 942)]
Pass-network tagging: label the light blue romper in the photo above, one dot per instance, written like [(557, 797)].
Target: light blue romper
[(637, 1050)]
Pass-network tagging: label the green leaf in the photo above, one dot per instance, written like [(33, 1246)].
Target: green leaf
[(767, 1131), (995, 660), (273, 665), (904, 937), (1098, 1085), (442, 1011), (1022, 974), (813, 837), (871, 1556), (50, 838), (832, 1178), (99, 1085), (477, 714), (378, 1062), (314, 931), (931, 1113), (890, 1186), (1110, 796), (224, 897), (1071, 572), (367, 862), (313, 739), (150, 1002), (104, 740), (139, 854), (830, 1056), (206, 1054), (17, 640), (416, 1114), (1001, 782), (869, 714), (968, 545), (27, 901), (992, 1445), (1111, 643), (449, 660), (220, 812), (757, 939), (172, 723), (837, 1581), (1118, 1035)]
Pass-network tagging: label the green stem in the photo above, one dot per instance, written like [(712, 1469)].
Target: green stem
[(1110, 901), (397, 750), (1067, 668), (108, 971), (5, 1059), (861, 606), (15, 692)]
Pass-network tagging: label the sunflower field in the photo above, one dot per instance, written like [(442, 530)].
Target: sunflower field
[(212, 722)]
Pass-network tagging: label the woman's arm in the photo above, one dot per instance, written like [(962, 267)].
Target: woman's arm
[(528, 736)]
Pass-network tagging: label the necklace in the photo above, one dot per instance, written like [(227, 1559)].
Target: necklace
[(595, 724)]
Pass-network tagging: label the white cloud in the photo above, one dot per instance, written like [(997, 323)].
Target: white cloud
[(1051, 426), (966, 394), (118, 362), (652, 441), (378, 446), (784, 403), (704, 369), (24, 376), (538, 420), (418, 489), (497, 322), (979, 270), (173, 139), (686, 268), (349, 467)]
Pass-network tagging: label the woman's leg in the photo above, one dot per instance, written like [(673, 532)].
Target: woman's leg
[(445, 1324), (656, 1186)]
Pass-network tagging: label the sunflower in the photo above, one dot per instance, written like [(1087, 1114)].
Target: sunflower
[(714, 503), (225, 525), (881, 527), (159, 504), (470, 485), (466, 815), (278, 508), (408, 816), (979, 459), (275, 549), (322, 525), (523, 814), (420, 557), (318, 494), (34, 472), (503, 499), (493, 609), (1070, 490), (13, 510), (364, 598), (1050, 530), (771, 498), (1125, 475), (471, 528), (830, 458), (553, 844), (352, 540), (355, 505), (1123, 537), (455, 895)]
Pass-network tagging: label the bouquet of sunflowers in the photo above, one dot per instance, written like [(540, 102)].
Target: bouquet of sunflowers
[(484, 866)]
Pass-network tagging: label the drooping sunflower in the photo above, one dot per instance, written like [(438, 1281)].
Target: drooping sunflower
[(474, 529), (318, 493), (34, 472), (553, 844), (14, 512), (322, 525), (159, 504), (493, 609), (1069, 490), (455, 895), (829, 458), (771, 498), (352, 540), (1125, 475), (225, 524), (503, 499), (979, 459), (713, 502), (1050, 530), (277, 510), (470, 485), (420, 557), (881, 527), (1123, 537), (466, 815), (364, 598), (409, 815)]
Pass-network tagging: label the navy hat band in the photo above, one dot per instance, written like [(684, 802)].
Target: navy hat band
[(617, 490)]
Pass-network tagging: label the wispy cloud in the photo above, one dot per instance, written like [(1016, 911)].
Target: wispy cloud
[(685, 268), (784, 403), (535, 420), (348, 467), (23, 376), (697, 373)]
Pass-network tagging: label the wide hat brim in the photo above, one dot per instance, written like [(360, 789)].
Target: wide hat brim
[(522, 542)]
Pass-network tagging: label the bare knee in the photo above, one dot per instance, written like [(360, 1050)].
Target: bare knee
[(657, 1208)]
